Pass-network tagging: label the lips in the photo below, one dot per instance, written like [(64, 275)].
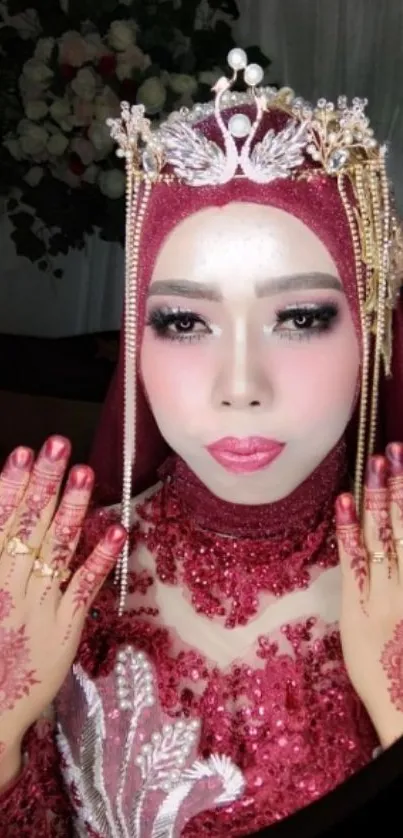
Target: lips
[(249, 454)]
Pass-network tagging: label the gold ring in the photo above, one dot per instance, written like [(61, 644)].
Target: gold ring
[(16, 547), (43, 570), (378, 557)]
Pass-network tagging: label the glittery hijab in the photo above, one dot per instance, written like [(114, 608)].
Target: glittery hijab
[(317, 203), (328, 206)]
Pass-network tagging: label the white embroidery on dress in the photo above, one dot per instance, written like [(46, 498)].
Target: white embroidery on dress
[(135, 773)]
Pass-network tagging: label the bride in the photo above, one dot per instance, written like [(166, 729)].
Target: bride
[(227, 647)]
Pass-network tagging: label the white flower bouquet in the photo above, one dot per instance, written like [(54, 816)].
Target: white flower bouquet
[(67, 67)]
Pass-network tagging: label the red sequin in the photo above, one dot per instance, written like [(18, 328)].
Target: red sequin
[(270, 549)]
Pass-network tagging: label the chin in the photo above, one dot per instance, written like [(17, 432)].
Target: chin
[(257, 488)]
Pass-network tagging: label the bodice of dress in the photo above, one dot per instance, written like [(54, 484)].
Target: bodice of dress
[(231, 636)]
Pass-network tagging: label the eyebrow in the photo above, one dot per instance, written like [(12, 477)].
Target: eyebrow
[(267, 288)]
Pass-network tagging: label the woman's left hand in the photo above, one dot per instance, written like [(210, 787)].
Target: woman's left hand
[(371, 622)]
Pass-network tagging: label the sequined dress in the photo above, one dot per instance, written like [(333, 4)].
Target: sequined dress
[(219, 703)]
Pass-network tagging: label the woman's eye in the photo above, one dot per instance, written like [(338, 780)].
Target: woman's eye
[(177, 325), (306, 322), (186, 323)]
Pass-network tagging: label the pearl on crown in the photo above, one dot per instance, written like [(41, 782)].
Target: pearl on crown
[(237, 59), (253, 74), (239, 125)]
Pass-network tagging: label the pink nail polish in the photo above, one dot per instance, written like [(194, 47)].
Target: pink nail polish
[(81, 477), (57, 448), (115, 538), (22, 458), (394, 453), (376, 473), (345, 511)]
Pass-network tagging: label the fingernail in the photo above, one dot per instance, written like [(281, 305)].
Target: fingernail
[(345, 511), (57, 448), (376, 473), (22, 457), (115, 538), (81, 477), (394, 453)]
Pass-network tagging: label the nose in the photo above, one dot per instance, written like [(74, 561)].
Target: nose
[(241, 381)]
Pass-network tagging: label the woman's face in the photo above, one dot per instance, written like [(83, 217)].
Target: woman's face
[(249, 358)]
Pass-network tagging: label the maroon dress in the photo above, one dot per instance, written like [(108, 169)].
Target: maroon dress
[(267, 726)]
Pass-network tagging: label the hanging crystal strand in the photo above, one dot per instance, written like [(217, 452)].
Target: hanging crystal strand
[(389, 235), (132, 195), (367, 300), (365, 369), (380, 212), (136, 219)]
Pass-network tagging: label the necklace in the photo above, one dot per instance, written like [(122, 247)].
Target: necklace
[(225, 555)]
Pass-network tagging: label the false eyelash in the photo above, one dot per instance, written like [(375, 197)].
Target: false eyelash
[(323, 315), (160, 319), (323, 312)]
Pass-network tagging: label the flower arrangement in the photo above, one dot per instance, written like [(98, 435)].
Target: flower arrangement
[(67, 65)]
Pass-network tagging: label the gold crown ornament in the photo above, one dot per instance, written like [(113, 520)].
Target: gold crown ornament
[(332, 140), (336, 137)]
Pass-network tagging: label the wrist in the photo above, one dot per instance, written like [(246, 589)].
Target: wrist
[(10, 764)]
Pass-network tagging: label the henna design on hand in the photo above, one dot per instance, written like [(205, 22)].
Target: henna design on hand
[(392, 665), (91, 577), (18, 464), (396, 494), (16, 676), (376, 503), (6, 605), (69, 518), (43, 485), (99, 566), (394, 454), (67, 527), (351, 540), (350, 536)]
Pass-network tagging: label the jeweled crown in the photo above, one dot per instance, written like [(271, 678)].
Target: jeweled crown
[(333, 137)]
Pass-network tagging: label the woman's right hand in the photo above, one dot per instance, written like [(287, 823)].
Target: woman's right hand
[(40, 627)]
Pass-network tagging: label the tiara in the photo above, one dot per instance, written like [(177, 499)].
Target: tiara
[(334, 137)]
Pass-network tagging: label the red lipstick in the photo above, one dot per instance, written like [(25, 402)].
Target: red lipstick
[(249, 454)]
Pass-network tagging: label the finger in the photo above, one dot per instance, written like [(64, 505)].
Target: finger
[(377, 526), (88, 580), (353, 556), (14, 479), (394, 453), (62, 537), (34, 515)]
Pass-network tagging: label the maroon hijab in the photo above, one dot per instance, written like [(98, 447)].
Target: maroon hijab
[(317, 203)]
